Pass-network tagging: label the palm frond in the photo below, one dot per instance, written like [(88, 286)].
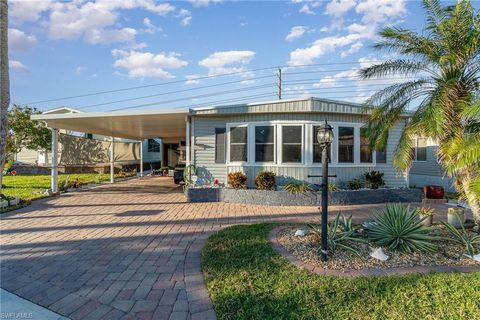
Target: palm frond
[(396, 67)]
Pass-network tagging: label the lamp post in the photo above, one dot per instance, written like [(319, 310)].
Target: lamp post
[(324, 138)]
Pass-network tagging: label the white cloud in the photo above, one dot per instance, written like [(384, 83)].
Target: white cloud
[(375, 11), (338, 8), (325, 82), (22, 10), (146, 64), (306, 9), (95, 36), (151, 28), (354, 48), (222, 62), (185, 17), (203, 3), (19, 41), (192, 79), (17, 66), (295, 32)]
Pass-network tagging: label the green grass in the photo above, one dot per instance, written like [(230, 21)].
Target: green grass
[(31, 187), (247, 279)]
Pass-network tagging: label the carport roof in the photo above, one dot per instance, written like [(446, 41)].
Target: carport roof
[(137, 125)]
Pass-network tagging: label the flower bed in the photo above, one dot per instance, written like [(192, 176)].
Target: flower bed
[(283, 198)]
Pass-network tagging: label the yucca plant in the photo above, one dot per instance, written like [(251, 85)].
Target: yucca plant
[(463, 237), (297, 187), (398, 228), (337, 237)]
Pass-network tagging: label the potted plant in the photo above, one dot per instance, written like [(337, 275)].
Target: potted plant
[(426, 216), (456, 217)]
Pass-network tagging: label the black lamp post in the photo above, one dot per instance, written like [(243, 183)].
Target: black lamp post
[(324, 138)]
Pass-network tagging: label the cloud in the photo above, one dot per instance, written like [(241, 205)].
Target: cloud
[(192, 79), (306, 9), (295, 32), (146, 64), (19, 41), (185, 17), (374, 11), (338, 8), (151, 28), (223, 62), (21, 10), (354, 48), (110, 35), (17, 66), (203, 3)]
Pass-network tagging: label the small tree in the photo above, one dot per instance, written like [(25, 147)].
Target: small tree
[(24, 132)]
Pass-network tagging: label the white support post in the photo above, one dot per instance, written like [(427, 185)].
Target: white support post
[(54, 171), (112, 160), (141, 158), (187, 141)]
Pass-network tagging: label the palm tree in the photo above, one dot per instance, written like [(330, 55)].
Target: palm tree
[(4, 83), (443, 98)]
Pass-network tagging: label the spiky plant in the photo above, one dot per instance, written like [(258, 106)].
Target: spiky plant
[(398, 228), (443, 65), (463, 237), (297, 187)]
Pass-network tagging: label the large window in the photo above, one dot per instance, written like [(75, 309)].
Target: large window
[(238, 144), (317, 148), (420, 149), (219, 145), (292, 144), (345, 144), (153, 145), (365, 152), (264, 144)]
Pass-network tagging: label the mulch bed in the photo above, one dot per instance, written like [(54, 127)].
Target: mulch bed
[(305, 249)]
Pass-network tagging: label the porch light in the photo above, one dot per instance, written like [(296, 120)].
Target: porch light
[(325, 134)]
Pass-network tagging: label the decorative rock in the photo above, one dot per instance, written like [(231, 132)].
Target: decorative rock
[(301, 233), (377, 253), (456, 216), (475, 257)]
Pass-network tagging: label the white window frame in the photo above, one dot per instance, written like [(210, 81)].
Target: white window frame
[(254, 144), (280, 143)]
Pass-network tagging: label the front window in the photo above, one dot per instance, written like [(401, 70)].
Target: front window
[(153, 146), (264, 144), (292, 144), (238, 144), (420, 152), (345, 144), (365, 152)]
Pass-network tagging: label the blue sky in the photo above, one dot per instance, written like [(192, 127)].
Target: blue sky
[(61, 49)]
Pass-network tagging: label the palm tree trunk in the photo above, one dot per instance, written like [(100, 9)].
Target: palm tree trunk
[(4, 84), (471, 197)]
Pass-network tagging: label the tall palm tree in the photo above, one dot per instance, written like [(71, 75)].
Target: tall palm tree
[(4, 83), (443, 98)]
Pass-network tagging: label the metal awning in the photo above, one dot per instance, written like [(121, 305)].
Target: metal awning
[(136, 125)]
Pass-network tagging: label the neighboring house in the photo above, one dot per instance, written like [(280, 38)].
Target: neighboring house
[(425, 169), (74, 143)]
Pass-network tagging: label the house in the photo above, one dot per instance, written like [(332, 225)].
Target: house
[(277, 136), (83, 148)]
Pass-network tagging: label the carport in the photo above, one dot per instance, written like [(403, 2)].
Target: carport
[(135, 125)]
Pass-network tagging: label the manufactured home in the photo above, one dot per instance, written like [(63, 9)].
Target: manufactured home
[(278, 136)]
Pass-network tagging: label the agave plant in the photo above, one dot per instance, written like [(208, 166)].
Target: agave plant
[(398, 228), (463, 237), (297, 187), (338, 235)]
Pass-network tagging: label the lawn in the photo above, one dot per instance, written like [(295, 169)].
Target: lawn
[(247, 279), (31, 187)]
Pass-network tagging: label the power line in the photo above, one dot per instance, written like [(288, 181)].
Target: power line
[(193, 79), (216, 102)]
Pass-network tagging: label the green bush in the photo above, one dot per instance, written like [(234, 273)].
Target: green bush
[(265, 180), (374, 179), (332, 187), (355, 184), (398, 228), (237, 180), (297, 187)]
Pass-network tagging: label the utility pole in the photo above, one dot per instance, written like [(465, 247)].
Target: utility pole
[(279, 84)]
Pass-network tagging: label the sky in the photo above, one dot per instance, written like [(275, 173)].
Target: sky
[(196, 53)]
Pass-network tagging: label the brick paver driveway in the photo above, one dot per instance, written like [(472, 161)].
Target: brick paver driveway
[(129, 250)]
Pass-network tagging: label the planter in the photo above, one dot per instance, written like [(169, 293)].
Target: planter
[(427, 220), (433, 192), (456, 217), (283, 198)]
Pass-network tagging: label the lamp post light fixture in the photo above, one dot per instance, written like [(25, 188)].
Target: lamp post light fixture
[(324, 138)]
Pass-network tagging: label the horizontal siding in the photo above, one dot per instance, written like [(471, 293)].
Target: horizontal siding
[(431, 167), (204, 158)]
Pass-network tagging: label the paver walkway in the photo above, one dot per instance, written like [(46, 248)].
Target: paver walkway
[(124, 251)]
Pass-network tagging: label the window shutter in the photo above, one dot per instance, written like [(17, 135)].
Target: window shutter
[(219, 145)]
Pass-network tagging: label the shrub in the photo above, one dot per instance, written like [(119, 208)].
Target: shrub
[(297, 187), (398, 228), (339, 233), (265, 180), (463, 237), (237, 180), (425, 212), (332, 187), (374, 179), (355, 184)]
